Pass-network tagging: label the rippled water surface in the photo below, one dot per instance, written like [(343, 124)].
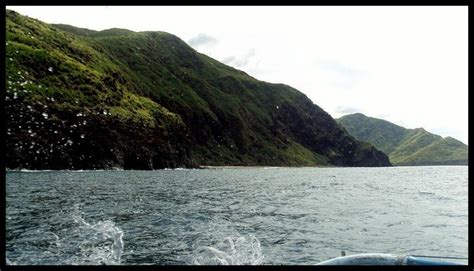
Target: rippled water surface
[(234, 216)]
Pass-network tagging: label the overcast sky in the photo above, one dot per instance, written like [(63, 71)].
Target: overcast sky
[(408, 65)]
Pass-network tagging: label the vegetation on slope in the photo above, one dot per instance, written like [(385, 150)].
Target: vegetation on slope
[(148, 100), (406, 146), (68, 106)]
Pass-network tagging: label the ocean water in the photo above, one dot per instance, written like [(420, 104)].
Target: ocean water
[(239, 216)]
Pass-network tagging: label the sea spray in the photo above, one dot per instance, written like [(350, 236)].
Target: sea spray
[(232, 250), (102, 241)]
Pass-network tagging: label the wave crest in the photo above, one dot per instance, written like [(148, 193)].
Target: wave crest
[(102, 242), (240, 250)]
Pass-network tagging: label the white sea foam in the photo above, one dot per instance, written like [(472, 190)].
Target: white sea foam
[(27, 170), (232, 250), (102, 244), (8, 262), (63, 170)]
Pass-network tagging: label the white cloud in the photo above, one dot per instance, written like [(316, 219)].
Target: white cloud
[(202, 39), (242, 61), (345, 110)]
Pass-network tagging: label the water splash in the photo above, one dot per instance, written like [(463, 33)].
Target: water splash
[(101, 243), (9, 262), (240, 250)]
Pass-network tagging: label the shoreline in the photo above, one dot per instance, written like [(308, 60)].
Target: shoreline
[(257, 167), (208, 167)]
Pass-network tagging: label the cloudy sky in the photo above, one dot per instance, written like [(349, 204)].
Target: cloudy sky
[(408, 65)]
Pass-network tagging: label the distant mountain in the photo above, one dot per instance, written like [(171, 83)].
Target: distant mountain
[(79, 98), (406, 146)]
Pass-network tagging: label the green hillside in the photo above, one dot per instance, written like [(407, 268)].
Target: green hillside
[(406, 146), (78, 98)]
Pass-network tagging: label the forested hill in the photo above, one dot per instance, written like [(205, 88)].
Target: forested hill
[(78, 98)]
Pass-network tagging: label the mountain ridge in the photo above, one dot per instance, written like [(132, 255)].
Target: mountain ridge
[(406, 146), (172, 106)]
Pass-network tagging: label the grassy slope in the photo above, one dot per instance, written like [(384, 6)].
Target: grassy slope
[(242, 110), (164, 68), (406, 146), (156, 82), (61, 90), (385, 135), (444, 151), (206, 91)]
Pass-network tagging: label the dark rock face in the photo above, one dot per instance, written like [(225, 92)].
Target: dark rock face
[(317, 131), (92, 140), (364, 158)]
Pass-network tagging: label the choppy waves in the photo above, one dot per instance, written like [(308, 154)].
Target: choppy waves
[(233, 217), (82, 243)]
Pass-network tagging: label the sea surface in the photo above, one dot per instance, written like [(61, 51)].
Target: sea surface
[(240, 216)]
